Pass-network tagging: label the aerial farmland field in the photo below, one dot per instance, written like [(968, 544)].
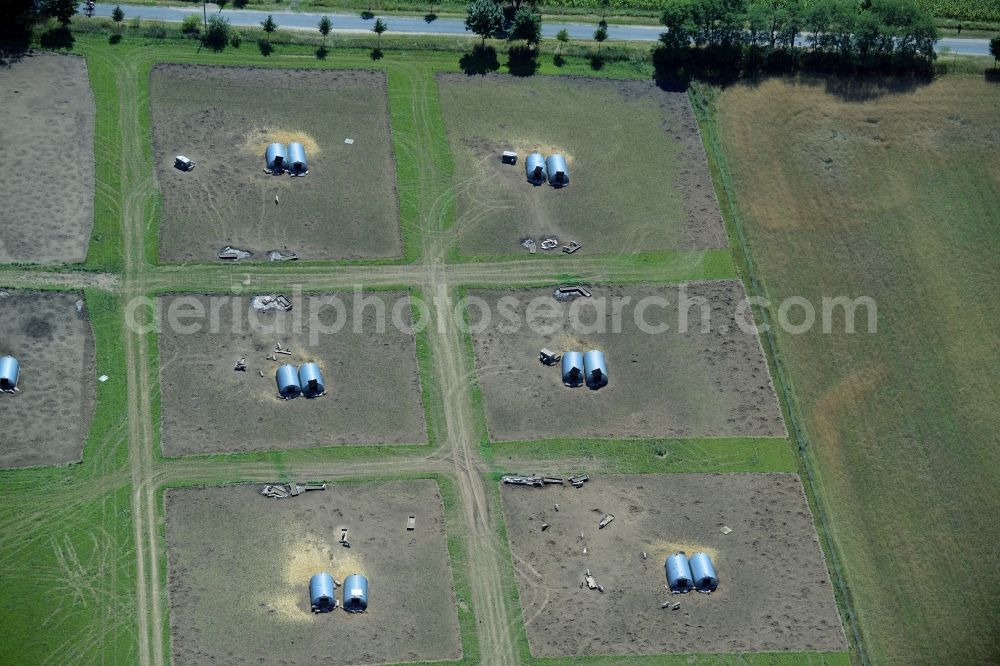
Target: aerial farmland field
[(48, 129), (697, 382), (773, 595), (208, 407), (892, 194), (648, 173), (224, 117), (50, 335), (238, 562)]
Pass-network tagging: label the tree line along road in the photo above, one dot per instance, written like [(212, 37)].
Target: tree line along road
[(415, 25)]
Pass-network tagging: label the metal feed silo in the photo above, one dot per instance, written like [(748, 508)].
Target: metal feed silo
[(355, 593), (288, 382), (311, 380), (558, 172), (322, 598), (678, 573), (534, 168), (9, 371), (572, 368), (275, 156), (595, 368), (703, 573), (296, 161)]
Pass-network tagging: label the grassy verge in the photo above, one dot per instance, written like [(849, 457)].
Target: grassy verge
[(70, 595), (648, 456)]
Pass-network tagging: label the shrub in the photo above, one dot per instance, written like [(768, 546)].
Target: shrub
[(191, 25), (235, 40), (156, 30), (217, 35)]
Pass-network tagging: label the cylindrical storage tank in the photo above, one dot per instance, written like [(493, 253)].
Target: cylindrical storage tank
[(558, 172), (534, 168), (572, 368), (288, 382), (355, 593), (678, 573), (275, 156), (703, 573), (311, 380), (297, 158), (322, 598), (9, 371), (596, 369)]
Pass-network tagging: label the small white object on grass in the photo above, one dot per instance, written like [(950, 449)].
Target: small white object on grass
[(103, 378), (349, 142)]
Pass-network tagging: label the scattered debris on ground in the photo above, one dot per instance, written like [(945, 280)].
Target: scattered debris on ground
[(591, 581), (548, 357), (241, 365), (271, 302), (278, 350), (530, 244), (411, 523), (234, 253), (550, 243), (726, 529), (571, 248), (509, 157), (343, 538), (570, 292), (539, 481), (278, 255), (605, 521), (283, 490)]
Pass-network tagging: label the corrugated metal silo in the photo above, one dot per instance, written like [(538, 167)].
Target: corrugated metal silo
[(703, 573), (275, 156), (678, 573), (355, 593), (322, 598), (288, 382), (9, 371), (297, 159), (311, 380), (534, 168), (596, 369), (558, 172), (572, 368)]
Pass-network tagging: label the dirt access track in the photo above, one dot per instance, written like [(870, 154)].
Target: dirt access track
[(239, 569), (661, 384), (47, 422), (774, 592), (639, 178), (224, 117), (47, 131), (373, 386)]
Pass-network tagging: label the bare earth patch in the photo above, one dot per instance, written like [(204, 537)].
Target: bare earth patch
[(373, 386), (224, 117), (774, 592), (667, 384), (239, 569), (48, 188), (48, 421), (639, 178)]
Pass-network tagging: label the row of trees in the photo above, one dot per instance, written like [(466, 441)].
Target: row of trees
[(858, 32), (487, 18)]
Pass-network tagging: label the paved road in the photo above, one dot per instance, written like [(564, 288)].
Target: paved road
[(443, 26)]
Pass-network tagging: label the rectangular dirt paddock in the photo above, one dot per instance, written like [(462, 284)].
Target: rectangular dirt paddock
[(224, 117), (240, 564), (661, 384), (639, 178), (47, 422), (372, 381), (48, 133), (774, 593)]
